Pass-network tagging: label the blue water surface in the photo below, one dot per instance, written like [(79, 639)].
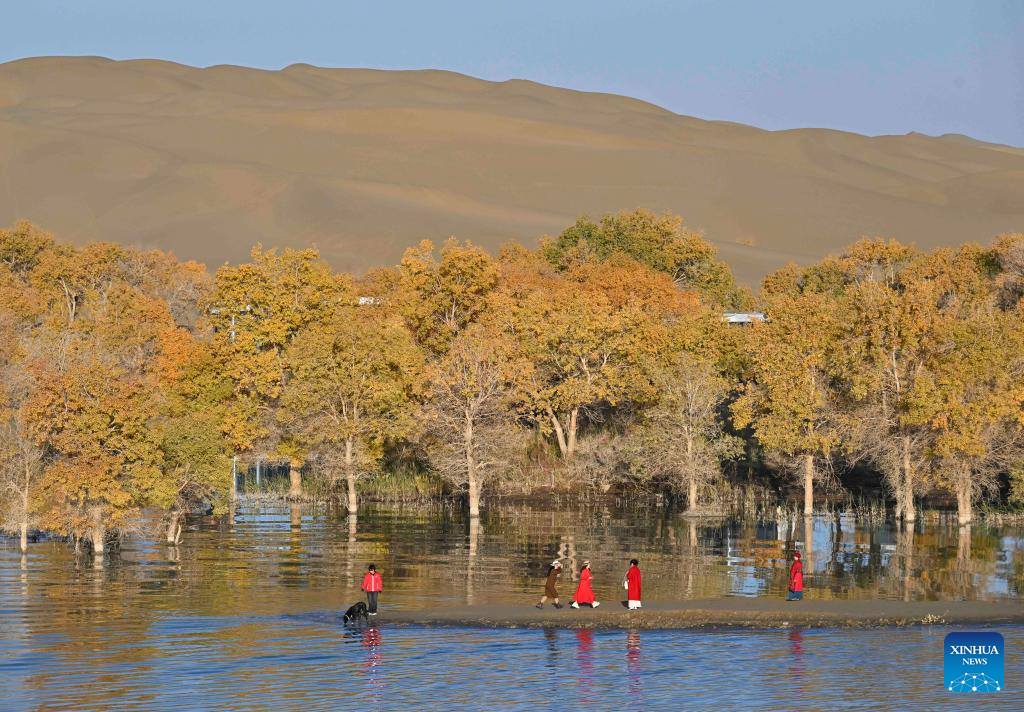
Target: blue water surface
[(310, 662)]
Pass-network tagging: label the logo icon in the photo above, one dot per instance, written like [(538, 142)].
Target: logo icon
[(973, 662)]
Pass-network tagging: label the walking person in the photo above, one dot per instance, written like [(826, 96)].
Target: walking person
[(584, 593), (796, 579), (550, 590), (373, 584), (632, 585)]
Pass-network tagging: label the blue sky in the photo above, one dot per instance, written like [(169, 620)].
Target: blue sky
[(873, 67)]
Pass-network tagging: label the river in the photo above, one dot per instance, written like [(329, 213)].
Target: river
[(245, 613)]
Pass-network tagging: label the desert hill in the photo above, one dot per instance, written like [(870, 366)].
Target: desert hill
[(363, 163)]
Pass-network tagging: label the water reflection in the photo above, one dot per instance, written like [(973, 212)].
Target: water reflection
[(634, 669), (292, 558), (585, 665), (117, 658), (372, 641), (474, 541), (551, 646), (796, 659)]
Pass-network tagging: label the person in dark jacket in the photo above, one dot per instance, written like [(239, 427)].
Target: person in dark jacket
[(550, 590), (796, 579), (373, 584)]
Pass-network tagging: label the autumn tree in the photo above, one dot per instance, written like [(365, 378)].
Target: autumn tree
[(969, 395), (96, 333), (588, 339), (354, 379), (258, 309), (472, 435), (195, 397), (21, 310), (20, 469), (658, 241), (1007, 256), (440, 296), (21, 458), (789, 402), (682, 437), (96, 419), (96, 404), (897, 324)]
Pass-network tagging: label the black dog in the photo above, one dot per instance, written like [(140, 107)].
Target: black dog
[(353, 614)]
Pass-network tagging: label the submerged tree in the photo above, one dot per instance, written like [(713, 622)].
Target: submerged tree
[(789, 402), (21, 465), (195, 401), (588, 339), (354, 381), (258, 309), (970, 396), (472, 434), (682, 438)]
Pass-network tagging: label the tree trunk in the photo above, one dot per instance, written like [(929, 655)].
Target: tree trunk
[(24, 535), (691, 480), (964, 505), (808, 485), (471, 473), (350, 478), (691, 495), (909, 514), (570, 440), (898, 491), (99, 534), (295, 479), (808, 548), (559, 433), (172, 527)]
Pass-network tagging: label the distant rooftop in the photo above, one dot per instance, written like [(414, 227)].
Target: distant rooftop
[(742, 317)]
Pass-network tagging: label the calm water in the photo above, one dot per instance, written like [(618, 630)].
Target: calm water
[(245, 614)]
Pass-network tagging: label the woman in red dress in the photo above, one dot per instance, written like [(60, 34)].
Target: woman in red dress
[(632, 582), (584, 593), (796, 579)]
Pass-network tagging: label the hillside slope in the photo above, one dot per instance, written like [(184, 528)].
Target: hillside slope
[(362, 163)]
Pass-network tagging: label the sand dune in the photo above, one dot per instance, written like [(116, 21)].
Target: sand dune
[(362, 163)]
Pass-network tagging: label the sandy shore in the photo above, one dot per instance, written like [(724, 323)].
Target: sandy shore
[(721, 612)]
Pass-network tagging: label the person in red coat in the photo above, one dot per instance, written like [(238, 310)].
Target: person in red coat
[(632, 584), (584, 593), (373, 584), (796, 579)]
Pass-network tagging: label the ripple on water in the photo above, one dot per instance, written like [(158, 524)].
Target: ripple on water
[(247, 615)]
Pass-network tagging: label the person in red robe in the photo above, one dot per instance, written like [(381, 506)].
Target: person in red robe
[(632, 584), (584, 593), (796, 579)]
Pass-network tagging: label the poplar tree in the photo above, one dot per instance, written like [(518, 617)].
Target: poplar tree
[(472, 435), (257, 310), (789, 400), (354, 383)]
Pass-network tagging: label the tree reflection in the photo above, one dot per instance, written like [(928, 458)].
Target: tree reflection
[(474, 539)]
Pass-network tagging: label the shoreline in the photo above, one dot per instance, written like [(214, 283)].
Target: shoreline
[(734, 612)]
